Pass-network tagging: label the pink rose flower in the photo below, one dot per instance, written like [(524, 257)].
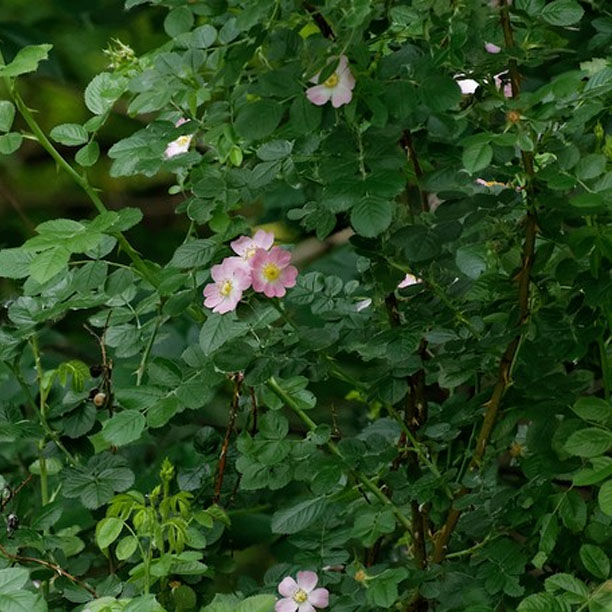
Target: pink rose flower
[(409, 279), (230, 281), (246, 247), (271, 273), (492, 48), (179, 145), (338, 87), (301, 596)]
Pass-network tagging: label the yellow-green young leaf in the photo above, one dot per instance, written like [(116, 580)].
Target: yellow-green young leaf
[(126, 547), (26, 60), (49, 263), (107, 531), (257, 603), (13, 579)]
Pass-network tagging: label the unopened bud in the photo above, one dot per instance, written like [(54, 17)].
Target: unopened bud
[(99, 399), (513, 116)]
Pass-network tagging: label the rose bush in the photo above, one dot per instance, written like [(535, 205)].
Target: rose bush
[(411, 408)]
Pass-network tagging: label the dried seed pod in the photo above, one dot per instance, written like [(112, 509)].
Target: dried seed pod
[(12, 524)]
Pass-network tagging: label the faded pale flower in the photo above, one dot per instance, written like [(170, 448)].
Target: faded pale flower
[(409, 279), (492, 48), (271, 273), (338, 87), (363, 304), (467, 86), (179, 145), (301, 595), (230, 281)]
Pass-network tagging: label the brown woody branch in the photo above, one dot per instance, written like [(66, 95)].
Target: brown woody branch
[(14, 492), (238, 378), (524, 278), (325, 28)]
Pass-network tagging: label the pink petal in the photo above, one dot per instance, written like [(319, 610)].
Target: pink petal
[(342, 64), (286, 605), (288, 587), (240, 245), (492, 48), (363, 304), (307, 580), (274, 290), (228, 304), (467, 86), (288, 276), (347, 80), (409, 279), (319, 94), (319, 598), (217, 273), (306, 607), (263, 239), (280, 257), (341, 95), (181, 121)]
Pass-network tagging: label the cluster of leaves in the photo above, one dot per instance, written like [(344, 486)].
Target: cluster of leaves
[(341, 429)]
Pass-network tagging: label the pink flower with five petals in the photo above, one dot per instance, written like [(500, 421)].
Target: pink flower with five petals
[(301, 595), (246, 247), (179, 145), (271, 273), (338, 87), (230, 281)]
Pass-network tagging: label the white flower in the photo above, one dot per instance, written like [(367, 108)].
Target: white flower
[(338, 87), (301, 595)]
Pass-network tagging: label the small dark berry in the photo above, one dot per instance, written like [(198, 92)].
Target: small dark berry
[(96, 370)]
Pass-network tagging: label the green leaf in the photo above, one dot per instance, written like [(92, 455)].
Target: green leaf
[(22, 601), (9, 143), (49, 263), (15, 263), (589, 442), (257, 603), (304, 116), (178, 20), (103, 91), (471, 260), (440, 93), (604, 497), (477, 157), (590, 166), (107, 531), (562, 12), (371, 216), (69, 134), (13, 579), (298, 517), (274, 150), (595, 560), (123, 428), (26, 60), (592, 408), (126, 547), (217, 330), (88, 155), (7, 115), (258, 119), (193, 254)]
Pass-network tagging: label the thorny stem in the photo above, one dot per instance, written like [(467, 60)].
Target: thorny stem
[(14, 492), (273, 385), (505, 367)]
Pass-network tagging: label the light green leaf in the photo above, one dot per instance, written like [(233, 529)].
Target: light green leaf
[(26, 60), (88, 155), (217, 330), (477, 157), (15, 263), (371, 216), (604, 497), (69, 134), (562, 12), (298, 517), (258, 119), (13, 579), (107, 531), (126, 547), (47, 264), (178, 20), (257, 603), (589, 442), (9, 143), (22, 601), (595, 560), (7, 115)]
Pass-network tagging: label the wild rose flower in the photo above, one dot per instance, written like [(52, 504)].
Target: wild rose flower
[(230, 281), (467, 86), (301, 596), (338, 86), (246, 247), (492, 48), (271, 273), (409, 279), (179, 145)]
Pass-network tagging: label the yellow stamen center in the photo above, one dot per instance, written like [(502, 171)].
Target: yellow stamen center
[(331, 81), (250, 252), (271, 272), (183, 141), (301, 596), (226, 288)]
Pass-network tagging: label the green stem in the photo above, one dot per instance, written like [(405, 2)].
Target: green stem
[(147, 352), (44, 482), (361, 478), (605, 366)]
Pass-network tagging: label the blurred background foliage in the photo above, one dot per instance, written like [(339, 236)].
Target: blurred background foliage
[(31, 188)]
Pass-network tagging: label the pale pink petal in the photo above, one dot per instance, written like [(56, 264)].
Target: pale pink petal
[(306, 607), (342, 64), (319, 598), (240, 245), (348, 80), (181, 121), (263, 239), (508, 90), (307, 580), (286, 605), (341, 95), (274, 290), (363, 304), (217, 272), (319, 94), (279, 256), (288, 587), (409, 279), (288, 276), (492, 48)]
